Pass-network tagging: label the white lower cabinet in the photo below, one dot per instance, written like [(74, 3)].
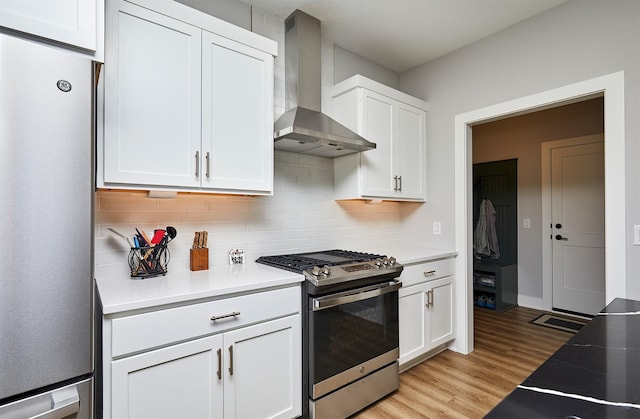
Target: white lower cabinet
[(240, 372), (178, 381), (426, 310)]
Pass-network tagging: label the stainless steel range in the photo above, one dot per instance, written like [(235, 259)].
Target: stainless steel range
[(350, 328)]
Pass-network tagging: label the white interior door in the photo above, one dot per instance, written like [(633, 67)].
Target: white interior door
[(577, 218)]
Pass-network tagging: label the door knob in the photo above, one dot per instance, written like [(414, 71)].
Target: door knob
[(559, 237)]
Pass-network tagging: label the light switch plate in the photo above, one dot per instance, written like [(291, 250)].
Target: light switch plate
[(636, 235), (437, 227), (526, 223), (236, 256)]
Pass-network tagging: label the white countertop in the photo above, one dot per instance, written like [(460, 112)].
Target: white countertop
[(414, 255), (119, 294), (122, 293)]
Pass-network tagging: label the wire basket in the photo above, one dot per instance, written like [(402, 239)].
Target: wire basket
[(148, 261)]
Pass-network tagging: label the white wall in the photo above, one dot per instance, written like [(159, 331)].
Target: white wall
[(232, 11), (575, 41), (348, 64)]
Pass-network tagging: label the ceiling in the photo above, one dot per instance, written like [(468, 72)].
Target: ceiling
[(402, 34)]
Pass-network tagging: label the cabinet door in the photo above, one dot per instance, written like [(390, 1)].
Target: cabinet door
[(413, 329), (237, 116), (152, 98), (410, 154), (179, 381), (68, 21), (377, 126), (263, 377), (440, 324)]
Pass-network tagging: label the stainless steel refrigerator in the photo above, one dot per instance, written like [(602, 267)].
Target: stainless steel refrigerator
[(46, 231)]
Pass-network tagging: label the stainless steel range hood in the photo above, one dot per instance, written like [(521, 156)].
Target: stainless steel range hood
[(303, 128)]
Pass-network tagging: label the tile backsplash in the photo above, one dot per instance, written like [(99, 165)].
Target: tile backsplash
[(300, 216)]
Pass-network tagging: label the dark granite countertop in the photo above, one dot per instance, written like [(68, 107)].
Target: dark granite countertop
[(596, 374)]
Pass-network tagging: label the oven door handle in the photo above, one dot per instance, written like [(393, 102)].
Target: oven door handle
[(321, 303)]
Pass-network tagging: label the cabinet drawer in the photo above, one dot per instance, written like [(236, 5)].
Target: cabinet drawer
[(150, 330), (427, 271)]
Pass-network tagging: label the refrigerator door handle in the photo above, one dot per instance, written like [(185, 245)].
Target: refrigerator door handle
[(64, 402)]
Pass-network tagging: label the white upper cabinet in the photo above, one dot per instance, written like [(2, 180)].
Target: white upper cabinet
[(237, 124), (396, 122), (72, 22), (152, 98), (188, 102)]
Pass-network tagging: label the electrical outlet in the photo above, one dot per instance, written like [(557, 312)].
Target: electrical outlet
[(236, 256), (437, 227), (526, 223)]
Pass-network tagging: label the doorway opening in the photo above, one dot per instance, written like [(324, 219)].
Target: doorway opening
[(495, 235), (612, 88)]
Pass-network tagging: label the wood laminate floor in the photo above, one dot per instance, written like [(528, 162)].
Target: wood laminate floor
[(451, 385)]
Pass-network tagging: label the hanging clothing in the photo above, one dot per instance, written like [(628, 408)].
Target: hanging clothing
[(485, 238)]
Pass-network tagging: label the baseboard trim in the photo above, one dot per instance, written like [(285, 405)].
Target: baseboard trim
[(531, 302)]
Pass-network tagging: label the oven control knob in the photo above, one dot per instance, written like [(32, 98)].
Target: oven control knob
[(326, 270), (378, 263), (392, 261), (385, 261), (315, 271)]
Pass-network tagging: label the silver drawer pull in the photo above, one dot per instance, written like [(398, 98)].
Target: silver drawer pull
[(429, 273), (219, 352), (224, 316)]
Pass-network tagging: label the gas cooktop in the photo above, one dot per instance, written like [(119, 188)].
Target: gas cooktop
[(300, 262)]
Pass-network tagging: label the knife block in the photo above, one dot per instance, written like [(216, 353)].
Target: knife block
[(199, 259)]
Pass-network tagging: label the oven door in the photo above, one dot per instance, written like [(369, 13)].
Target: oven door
[(351, 334)]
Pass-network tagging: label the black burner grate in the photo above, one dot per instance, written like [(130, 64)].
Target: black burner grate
[(301, 261)]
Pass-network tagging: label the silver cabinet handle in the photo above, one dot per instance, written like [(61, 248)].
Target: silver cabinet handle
[(207, 167), (219, 373), (400, 182), (197, 163), (231, 360), (430, 298), (429, 273), (395, 183), (224, 316)]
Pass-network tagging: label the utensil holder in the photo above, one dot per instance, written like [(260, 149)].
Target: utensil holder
[(199, 259), (148, 261)]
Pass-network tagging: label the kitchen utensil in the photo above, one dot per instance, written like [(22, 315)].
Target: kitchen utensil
[(128, 239), (158, 235), (145, 237), (196, 240), (141, 239), (172, 233)]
